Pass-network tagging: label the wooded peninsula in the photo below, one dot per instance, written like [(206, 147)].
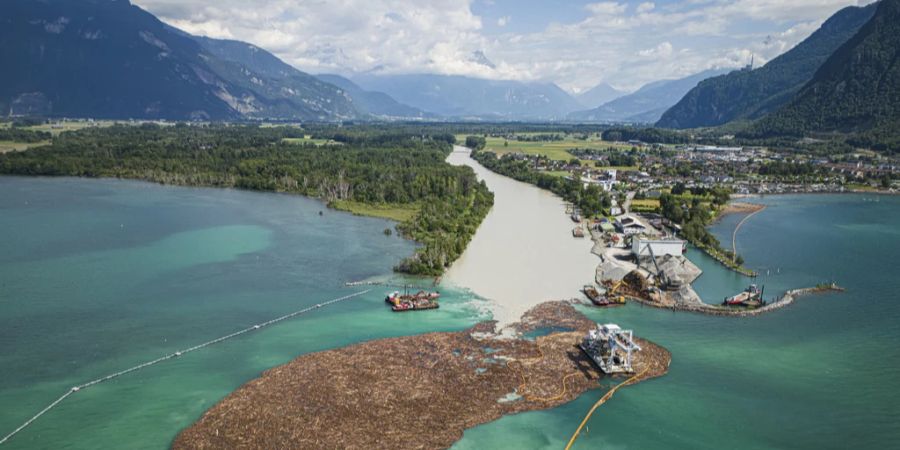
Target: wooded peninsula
[(384, 170)]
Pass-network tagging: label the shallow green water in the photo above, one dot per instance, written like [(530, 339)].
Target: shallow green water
[(96, 276), (822, 373)]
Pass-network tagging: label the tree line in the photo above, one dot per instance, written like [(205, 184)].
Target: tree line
[(16, 134)]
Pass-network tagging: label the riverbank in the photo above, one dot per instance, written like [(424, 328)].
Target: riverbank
[(523, 253), (413, 392)]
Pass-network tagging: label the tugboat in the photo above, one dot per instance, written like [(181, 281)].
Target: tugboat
[(392, 297), (752, 297)]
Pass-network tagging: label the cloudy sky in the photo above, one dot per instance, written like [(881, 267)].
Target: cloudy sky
[(576, 44)]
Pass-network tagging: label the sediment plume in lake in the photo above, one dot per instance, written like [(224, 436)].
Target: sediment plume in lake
[(412, 392)]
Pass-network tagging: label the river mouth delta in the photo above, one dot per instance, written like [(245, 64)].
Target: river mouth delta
[(450, 225), (136, 231)]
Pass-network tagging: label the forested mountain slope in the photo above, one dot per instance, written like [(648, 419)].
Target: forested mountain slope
[(856, 91), (750, 94), (111, 59)]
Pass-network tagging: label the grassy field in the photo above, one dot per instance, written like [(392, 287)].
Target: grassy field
[(8, 146), (619, 168), (557, 150), (644, 205), (59, 127), (399, 213), (860, 187), (309, 140)]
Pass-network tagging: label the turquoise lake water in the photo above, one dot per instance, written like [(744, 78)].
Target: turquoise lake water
[(100, 275)]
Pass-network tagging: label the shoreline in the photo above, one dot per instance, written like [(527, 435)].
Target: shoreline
[(846, 191), (418, 391), (733, 207)]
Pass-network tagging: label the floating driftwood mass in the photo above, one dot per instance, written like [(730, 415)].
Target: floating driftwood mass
[(413, 392)]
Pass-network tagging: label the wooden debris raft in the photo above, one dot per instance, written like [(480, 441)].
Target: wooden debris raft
[(409, 392)]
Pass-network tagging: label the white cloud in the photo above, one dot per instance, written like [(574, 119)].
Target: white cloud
[(645, 7), (340, 34), (606, 8), (663, 50), (624, 43)]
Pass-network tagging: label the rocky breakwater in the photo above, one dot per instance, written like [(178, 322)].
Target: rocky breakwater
[(692, 303), (412, 392)]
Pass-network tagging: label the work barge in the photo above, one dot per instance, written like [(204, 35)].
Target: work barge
[(419, 301)]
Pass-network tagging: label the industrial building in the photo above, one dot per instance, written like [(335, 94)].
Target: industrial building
[(629, 226), (641, 246)]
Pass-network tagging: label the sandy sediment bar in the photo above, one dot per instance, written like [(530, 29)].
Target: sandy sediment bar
[(733, 207), (410, 392)]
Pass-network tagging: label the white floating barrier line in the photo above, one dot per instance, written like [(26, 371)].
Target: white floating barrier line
[(174, 355)]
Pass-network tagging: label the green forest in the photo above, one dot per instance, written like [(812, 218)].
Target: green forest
[(16, 134), (366, 166)]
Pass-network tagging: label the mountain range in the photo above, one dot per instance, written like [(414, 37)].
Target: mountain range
[(598, 95), (750, 94), (647, 104), (120, 61), (374, 103), (465, 97), (366, 103), (856, 90), (110, 59)]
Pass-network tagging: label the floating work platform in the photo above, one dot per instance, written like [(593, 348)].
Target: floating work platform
[(412, 302), (610, 348)]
